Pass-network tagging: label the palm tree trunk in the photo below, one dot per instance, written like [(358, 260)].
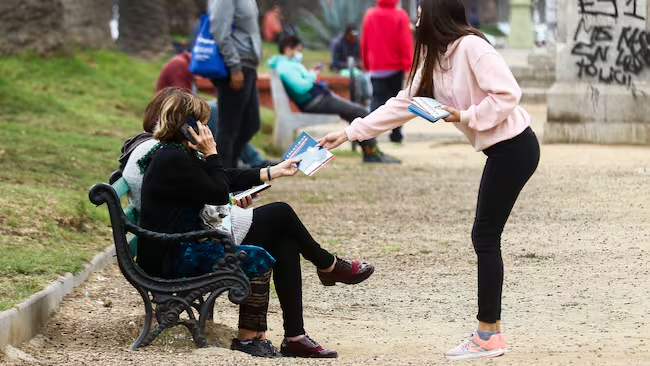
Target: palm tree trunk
[(86, 22), (144, 27), (31, 25)]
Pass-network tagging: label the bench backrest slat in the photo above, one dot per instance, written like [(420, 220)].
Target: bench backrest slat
[(121, 188), (280, 98)]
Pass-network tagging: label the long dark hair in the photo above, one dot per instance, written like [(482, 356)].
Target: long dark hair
[(441, 23)]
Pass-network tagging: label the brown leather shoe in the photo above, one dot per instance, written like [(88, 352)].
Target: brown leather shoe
[(307, 348), (348, 272)]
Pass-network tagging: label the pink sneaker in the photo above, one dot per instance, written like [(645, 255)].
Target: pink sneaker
[(503, 342), (475, 347)]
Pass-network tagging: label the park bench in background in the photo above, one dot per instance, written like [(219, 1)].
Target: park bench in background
[(171, 297), (287, 121), (273, 96)]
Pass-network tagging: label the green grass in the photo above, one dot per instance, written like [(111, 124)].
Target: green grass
[(62, 123)]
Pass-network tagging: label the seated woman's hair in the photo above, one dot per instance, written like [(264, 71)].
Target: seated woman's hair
[(152, 112), (169, 110)]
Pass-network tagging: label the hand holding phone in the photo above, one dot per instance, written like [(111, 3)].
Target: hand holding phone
[(253, 191), (203, 140), (185, 129)]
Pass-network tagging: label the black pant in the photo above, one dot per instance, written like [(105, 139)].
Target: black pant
[(239, 116), (384, 89), (509, 165), (278, 230), (333, 104)]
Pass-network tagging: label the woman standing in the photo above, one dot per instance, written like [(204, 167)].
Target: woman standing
[(456, 65)]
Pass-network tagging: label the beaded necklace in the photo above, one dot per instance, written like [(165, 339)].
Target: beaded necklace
[(144, 161)]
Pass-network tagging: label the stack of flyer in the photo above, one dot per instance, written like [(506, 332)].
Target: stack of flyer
[(428, 108), (312, 156)]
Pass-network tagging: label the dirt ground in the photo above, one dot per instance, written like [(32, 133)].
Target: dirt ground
[(576, 252)]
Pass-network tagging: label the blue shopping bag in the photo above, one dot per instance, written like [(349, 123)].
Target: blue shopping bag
[(206, 59)]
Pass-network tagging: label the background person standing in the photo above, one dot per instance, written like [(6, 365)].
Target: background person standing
[(234, 26), (386, 52)]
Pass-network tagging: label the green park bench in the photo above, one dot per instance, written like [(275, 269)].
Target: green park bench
[(171, 297)]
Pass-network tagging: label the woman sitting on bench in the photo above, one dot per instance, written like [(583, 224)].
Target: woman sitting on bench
[(176, 186)]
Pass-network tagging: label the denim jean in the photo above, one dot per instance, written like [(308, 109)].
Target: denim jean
[(250, 155)]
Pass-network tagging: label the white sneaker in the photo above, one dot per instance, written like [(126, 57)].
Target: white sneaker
[(475, 347)]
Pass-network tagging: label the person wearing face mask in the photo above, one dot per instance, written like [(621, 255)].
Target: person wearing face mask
[(314, 96)]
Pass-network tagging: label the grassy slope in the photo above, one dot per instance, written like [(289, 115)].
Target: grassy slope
[(62, 123)]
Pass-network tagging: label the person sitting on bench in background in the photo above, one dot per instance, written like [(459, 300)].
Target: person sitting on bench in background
[(344, 46), (173, 185), (313, 96), (176, 73)]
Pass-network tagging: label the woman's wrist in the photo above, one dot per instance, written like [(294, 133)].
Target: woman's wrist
[(269, 173), (275, 172), (210, 152), (344, 134)]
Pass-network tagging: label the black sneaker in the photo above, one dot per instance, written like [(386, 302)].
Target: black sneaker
[(255, 347), (270, 348)]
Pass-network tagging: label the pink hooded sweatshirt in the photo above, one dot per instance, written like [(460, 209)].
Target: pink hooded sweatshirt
[(477, 82)]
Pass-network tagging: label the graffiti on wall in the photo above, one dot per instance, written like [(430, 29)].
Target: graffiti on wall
[(611, 44)]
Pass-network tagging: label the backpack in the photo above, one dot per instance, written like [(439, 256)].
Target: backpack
[(206, 59)]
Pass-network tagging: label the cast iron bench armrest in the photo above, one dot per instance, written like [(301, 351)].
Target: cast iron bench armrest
[(172, 297)]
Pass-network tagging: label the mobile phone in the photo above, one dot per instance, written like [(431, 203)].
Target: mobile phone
[(185, 129), (252, 191), (320, 66)]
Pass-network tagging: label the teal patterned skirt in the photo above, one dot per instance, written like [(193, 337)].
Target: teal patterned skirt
[(197, 258)]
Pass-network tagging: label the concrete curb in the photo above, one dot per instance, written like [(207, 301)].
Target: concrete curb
[(25, 320)]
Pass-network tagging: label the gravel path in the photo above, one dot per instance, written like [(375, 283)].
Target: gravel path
[(576, 250)]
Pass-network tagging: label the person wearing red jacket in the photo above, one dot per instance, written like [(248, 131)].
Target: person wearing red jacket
[(386, 52)]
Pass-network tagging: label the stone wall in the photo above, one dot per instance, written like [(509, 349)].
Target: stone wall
[(602, 90)]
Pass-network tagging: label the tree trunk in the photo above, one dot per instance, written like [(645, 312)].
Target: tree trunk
[(31, 25), (144, 27), (183, 14), (86, 22)]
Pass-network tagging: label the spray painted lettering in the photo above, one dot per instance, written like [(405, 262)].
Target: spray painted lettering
[(611, 51)]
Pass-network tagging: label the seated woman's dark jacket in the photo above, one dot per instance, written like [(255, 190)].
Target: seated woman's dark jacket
[(175, 188)]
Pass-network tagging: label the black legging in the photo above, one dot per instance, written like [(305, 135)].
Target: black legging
[(278, 230), (509, 165)]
